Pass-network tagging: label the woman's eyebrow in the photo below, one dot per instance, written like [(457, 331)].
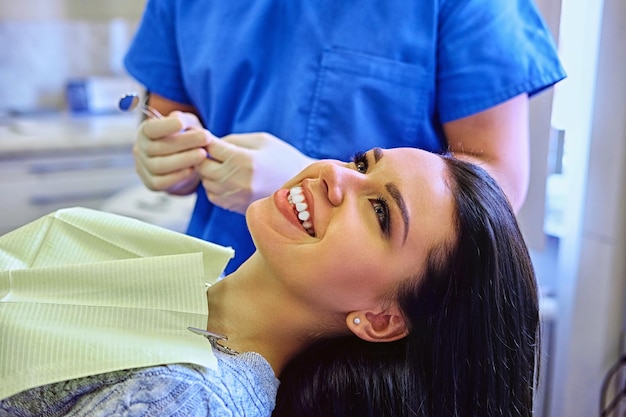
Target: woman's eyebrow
[(378, 153), (395, 193)]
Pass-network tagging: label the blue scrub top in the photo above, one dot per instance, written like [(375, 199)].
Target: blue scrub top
[(336, 77)]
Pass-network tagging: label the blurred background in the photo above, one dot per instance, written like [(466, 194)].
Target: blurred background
[(62, 140), (63, 143)]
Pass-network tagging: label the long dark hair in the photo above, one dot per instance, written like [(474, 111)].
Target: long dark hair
[(473, 329)]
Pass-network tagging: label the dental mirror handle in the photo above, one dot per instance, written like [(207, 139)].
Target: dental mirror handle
[(131, 101)]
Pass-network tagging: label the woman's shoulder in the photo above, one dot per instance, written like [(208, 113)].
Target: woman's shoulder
[(248, 368), (250, 379), (242, 385)]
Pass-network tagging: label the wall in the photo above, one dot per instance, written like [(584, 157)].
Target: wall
[(592, 268), (531, 215), (71, 9), (54, 41)]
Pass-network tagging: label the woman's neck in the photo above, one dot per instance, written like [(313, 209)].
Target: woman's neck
[(255, 312)]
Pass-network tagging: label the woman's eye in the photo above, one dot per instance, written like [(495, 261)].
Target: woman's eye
[(360, 162), (381, 209)]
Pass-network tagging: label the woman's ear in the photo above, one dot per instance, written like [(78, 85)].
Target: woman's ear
[(384, 326)]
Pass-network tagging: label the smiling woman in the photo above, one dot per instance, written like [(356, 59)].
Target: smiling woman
[(395, 284), (470, 311), (355, 217)]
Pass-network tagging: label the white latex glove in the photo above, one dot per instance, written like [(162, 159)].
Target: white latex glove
[(242, 168), (167, 150)]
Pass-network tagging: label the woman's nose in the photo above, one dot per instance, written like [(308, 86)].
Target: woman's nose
[(339, 180)]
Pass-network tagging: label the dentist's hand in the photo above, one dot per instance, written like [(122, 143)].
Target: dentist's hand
[(242, 168), (167, 150)]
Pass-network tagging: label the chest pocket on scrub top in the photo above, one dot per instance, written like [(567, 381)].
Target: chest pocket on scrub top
[(362, 101)]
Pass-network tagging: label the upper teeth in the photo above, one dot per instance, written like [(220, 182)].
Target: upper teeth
[(297, 200)]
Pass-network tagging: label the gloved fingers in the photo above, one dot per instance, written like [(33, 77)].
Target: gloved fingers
[(174, 143), (227, 183), (171, 181), (224, 188), (247, 140), (222, 150), (219, 189), (189, 120), (166, 164), (175, 122), (222, 172), (158, 128)]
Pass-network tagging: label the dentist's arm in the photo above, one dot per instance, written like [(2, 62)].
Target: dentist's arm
[(497, 139)]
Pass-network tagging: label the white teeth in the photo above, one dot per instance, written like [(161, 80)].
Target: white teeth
[(297, 200)]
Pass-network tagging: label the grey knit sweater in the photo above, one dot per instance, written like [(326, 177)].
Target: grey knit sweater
[(243, 385)]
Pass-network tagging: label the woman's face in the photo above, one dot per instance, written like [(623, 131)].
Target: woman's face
[(365, 226)]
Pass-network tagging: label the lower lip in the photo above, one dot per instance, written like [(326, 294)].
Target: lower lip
[(280, 200)]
